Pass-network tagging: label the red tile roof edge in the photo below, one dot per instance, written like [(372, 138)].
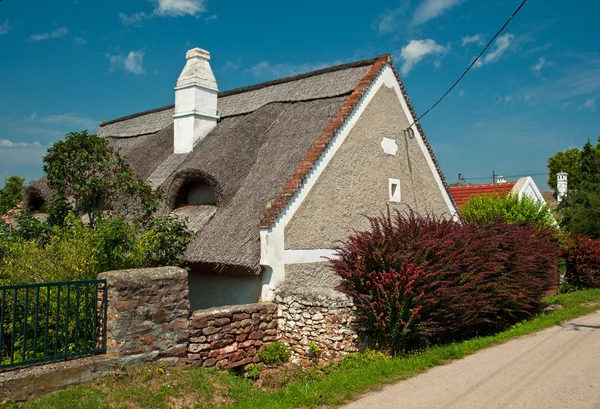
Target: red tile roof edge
[(462, 193), (279, 203)]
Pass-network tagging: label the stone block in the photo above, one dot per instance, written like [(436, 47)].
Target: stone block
[(195, 348), (209, 362), (256, 335), (210, 330), (219, 322), (240, 316)]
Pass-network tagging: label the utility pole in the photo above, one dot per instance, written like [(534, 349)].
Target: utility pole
[(493, 176)]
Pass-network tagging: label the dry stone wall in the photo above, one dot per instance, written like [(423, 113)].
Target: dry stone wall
[(148, 314), (228, 337), (326, 321)]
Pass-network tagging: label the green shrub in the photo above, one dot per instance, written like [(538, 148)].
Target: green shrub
[(488, 208), (78, 251), (314, 349), (253, 371), (275, 353)]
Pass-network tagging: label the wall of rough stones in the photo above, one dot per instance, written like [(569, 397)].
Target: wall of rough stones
[(229, 337), (149, 319), (326, 321), (148, 314)]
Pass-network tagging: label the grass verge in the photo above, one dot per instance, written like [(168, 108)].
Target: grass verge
[(160, 387)]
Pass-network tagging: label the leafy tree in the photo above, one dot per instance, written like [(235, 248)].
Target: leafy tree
[(97, 179), (102, 217), (581, 211), (511, 209), (565, 161), (589, 173), (571, 161), (12, 193)]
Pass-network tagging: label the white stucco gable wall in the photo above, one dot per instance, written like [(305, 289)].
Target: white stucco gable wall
[(274, 256), (527, 187)]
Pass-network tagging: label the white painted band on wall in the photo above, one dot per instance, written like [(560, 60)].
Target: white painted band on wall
[(307, 256)]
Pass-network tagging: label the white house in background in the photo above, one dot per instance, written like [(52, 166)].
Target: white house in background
[(522, 187)]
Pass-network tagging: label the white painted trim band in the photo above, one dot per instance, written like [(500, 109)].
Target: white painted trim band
[(307, 256)]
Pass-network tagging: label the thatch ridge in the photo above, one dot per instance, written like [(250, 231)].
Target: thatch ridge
[(124, 118), (250, 88), (297, 77)]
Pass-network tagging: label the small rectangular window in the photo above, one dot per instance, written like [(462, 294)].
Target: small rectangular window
[(394, 190)]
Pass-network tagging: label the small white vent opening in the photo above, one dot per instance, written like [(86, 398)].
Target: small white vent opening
[(394, 190)]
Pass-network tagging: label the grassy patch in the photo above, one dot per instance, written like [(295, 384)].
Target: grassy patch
[(163, 387)]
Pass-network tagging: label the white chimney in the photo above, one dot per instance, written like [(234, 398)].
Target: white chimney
[(195, 101), (561, 186)]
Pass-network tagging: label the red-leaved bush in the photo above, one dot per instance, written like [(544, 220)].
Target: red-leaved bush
[(418, 281), (583, 262)]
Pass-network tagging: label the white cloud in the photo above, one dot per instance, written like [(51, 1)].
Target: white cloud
[(5, 143), (528, 97), (133, 18), (387, 22), (417, 50), (566, 105), (177, 8), (4, 27), (59, 32), (461, 93), (541, 63), (80, 41), (430, 9), (477, 38), (504, 99), (72, 120), (500, 47), (167, 8), (589, 104), (133, 62)]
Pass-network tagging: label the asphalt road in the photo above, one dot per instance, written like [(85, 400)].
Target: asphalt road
[(556, 368)]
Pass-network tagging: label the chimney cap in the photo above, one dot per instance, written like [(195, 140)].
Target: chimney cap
[(198, 53)]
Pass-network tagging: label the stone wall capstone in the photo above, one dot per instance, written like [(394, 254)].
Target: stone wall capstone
[(229, 337), (323, 320), (148, 314)]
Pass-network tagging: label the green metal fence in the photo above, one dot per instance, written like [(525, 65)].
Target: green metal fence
[(51, 321)]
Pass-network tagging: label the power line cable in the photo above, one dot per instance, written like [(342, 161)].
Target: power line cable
[(472, 64), (509, 176)]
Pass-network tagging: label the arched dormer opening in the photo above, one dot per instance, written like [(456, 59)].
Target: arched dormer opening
[(195, 194), (36, 204), (193, 188)]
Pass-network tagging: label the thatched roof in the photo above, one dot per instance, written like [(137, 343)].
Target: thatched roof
[(268, 134), (264, 134)]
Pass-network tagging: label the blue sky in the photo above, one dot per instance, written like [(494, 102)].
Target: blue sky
[(65, 65)]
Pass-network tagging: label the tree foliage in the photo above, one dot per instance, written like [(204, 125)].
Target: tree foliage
[(581, 209), (578, 163), (12, 193), (511, 209), (102, 217), (96, 178)]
